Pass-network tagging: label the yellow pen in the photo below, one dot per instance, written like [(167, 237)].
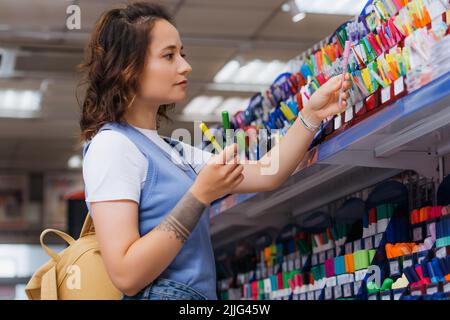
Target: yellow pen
[(210, 137)]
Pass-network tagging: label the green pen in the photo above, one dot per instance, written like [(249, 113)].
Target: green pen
[(226, 128), (240, 139)]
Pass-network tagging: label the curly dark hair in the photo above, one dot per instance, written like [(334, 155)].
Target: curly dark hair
[(114, 62)]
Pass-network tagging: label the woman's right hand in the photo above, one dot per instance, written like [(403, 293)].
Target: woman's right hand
[(219, 176)]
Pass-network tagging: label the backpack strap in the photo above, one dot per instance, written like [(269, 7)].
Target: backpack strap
[(49, 251), (88, 226)]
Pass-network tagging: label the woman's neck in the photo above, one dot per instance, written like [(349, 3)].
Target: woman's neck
[(142, 114)]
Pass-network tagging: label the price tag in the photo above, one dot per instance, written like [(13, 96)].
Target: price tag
[(447, 287), (432, 289), (378, 239), (322, 257), (276, 268), (348, 114), (328, 293), (297, 263), (417, 234), (304, 260), (417, 292), (302, 296), (368, 243), (357, 245), (317, 294), (290, 265), (397, 296), (347, 290), (407, 262), (331, 282), (358, 107), (314, 259), (357, 286), (337, 292), (399, 86), (330, 254), (385, 94), (373, 297), (348, 248), (394, 267), (386, 296), (311, 295)]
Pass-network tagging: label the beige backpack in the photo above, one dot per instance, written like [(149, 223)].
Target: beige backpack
[(76, 273)]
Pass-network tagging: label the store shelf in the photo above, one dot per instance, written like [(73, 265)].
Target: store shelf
[(410, 134)]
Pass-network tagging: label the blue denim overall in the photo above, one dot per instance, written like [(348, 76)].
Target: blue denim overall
[(192, 274)]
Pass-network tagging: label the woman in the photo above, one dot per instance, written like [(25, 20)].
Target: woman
[(147, 210)]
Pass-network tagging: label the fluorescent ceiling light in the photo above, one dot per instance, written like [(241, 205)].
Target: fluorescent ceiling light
[(233, 105), (343, 7), (227, 72), (203, 105), (255, 72), (19, 103), (298, 17)]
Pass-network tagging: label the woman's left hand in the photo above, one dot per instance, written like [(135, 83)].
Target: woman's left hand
[(325, 101)]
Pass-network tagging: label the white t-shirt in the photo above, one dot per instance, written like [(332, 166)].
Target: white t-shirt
[(115, 169)]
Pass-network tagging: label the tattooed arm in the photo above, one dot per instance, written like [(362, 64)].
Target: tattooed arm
[(132, 261)]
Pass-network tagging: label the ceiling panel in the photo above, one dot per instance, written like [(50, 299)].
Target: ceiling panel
[(225, 22), (33, 14), (308, 31)]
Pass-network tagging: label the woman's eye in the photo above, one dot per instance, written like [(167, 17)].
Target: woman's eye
[(169, 56), (183, 55)]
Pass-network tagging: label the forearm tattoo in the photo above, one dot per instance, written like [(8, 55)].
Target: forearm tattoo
[(183, 218)]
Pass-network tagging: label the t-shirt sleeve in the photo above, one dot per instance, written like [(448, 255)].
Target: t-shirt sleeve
[(113, 168)]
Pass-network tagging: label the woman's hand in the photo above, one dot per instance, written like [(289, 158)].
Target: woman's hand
[(324, 102), (219, 177)]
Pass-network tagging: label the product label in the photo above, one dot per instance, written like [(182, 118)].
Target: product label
[(385, 94), (417, 234), (394, 267), (447, 287), (317, 294), (337, 292), (314, 259), (347, 290), (377, 240), (297, 263), (357, 287), (328, 293), (357, 245), (397, 296), (368, 243), (330, 254), (432, 290), (348, 248), (386, 296), (399, 86), (358, 107), (373, 297), (322, 257), (331, 282)]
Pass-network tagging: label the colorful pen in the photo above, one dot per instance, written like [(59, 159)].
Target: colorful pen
[(210, 137), (344, 70)]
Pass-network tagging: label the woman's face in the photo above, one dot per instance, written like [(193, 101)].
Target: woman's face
[(164, 78)]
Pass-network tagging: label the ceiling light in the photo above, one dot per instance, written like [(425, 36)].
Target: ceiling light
[(227, 72), (233, 105), (286, 7), (255, 72), (339, 7), (298, 17), (75, 162), (19, 103), (203, 105)]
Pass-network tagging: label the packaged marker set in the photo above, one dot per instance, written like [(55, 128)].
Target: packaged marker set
[(396, 46)]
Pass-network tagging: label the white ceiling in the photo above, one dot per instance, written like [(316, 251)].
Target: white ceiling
[(213, 32)]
